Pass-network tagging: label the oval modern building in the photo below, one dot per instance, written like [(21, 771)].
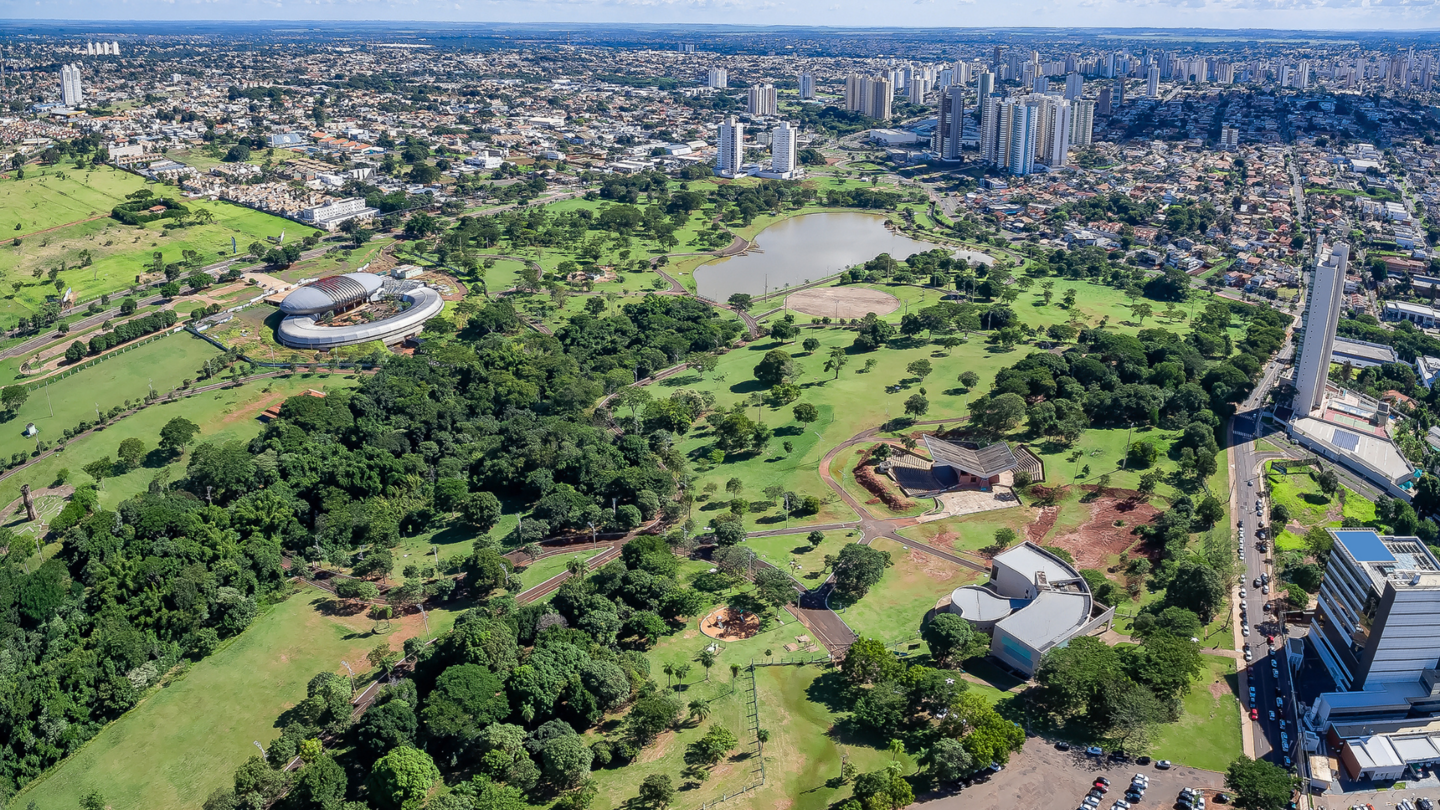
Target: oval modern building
[(305, 325)]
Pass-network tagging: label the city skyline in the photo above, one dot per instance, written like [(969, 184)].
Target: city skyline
[(1180, 15)]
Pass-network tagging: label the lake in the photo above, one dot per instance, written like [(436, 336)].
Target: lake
[(801, 249)]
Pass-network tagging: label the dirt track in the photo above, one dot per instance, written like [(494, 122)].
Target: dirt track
[(842, 302)]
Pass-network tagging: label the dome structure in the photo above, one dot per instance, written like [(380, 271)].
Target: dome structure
[(331, 293)]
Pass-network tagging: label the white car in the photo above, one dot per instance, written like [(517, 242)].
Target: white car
[(1242, 593), (1244, 629)]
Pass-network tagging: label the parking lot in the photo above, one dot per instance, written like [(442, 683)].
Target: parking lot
[(1043, 778)]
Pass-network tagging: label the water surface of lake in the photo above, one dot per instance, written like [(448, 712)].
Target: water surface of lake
[(804, 248)]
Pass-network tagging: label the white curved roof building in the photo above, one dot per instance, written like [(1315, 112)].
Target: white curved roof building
[(301, 328), (1034, 602)]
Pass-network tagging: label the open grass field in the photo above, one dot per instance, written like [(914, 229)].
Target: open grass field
[(118, 252), (163, 363), (1207, 734), (893, 609), (784, 550), (547, 567), (1309, 507), (183, 741)]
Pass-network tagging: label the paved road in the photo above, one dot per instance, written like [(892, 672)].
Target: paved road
[(1262, 735)]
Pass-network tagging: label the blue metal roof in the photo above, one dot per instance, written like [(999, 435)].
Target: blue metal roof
[(1364, 546)]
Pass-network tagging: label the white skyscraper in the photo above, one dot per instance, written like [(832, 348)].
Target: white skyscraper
[(807, 85), (992, 144), (70, 92), (1052, 143), (1304, 74), (89, 49), (1152, 82), (1024, 126), (1074, 86), (1322, 316), (1082, 122), (115, 48), (782, 149), (762, 100), (718, 79), (915, 93), (730, 147)]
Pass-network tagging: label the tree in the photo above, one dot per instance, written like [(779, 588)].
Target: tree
[(806, 413), (481, 510), (996, 415), (199, 280), (75, 352), (920, 368), (1296, 597), (707, 660), (92, 800), (1209, 512), (836, 361), (815, 538), (916, 405), (466, 698), (1141, 311), (1196, 587), (130, 453), (857, 568), (774, 368), (969, 379), (948, 760), (1258, 784), (567, 760), (402, 778), (1328, 482), (177, 433), (869, 661), (656, 790), (740, 301), (386, 727), (773, 587), (13, 396), (784, 331), (711, 748), (99, 469), (322, 784), (810, 345), (952, 639)]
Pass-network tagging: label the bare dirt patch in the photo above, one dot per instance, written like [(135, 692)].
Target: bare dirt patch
[(1099, 539), (1044, 522), (933, 567), (842, 302)]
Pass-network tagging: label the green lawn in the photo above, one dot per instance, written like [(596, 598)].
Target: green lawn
[(185, 740), (1208, 732), (163, 363), (547, 567), (117, 251), (893, 609), (784, 549), (1309, 507)]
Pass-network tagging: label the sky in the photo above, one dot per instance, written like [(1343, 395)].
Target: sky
[(1329, 15)]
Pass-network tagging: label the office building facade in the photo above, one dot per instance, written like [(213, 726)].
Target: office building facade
[(807, 85), (1375, 613), (1152, 82)]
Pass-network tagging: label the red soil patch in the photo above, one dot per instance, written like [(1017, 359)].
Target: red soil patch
[(1044, 522), (865, 476), (1099, 539)]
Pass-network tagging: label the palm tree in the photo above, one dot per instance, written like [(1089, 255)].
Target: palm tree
[(699, 711), (577, 566), (734, 671), (896, 748), (669, 670), (707, 660), (681, 670)]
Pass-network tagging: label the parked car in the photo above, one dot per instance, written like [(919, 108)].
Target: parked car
[(1094, 751), (1062, 746), (1163, 764), (1254, 714)]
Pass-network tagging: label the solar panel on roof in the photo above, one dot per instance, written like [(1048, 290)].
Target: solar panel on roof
[(1364, 546), (1345, 440)]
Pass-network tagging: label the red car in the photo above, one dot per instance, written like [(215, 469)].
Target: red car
[(1254, 714)]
